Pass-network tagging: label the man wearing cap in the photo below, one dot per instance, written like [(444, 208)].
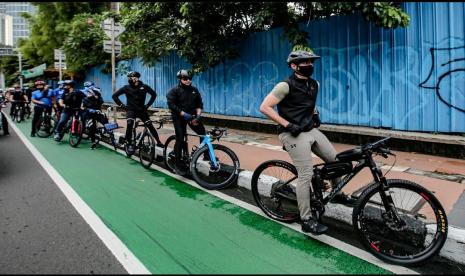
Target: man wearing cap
[(136, 92), (71, 99), (42, 100), (295, 99)]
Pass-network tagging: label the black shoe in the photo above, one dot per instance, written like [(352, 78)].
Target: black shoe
[(160, 145), (313, 226), (344, 199), (33, 134), (94, 145), (181, 168)]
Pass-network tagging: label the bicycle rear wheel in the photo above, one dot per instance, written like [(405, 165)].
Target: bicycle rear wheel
[(169, 156), (210, 177), (146, 150), (273, 188), (75, 133), (418, 236)]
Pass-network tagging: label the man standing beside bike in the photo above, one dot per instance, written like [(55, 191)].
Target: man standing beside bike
[(185, 103), (295, 99), (70, 100), (136, 92), (91, 103), (18, 98), (43, 100)]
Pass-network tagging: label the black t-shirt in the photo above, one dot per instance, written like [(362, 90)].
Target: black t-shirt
[(18, 95), (73, 99)]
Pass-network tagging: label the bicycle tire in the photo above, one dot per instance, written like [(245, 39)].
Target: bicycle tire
[(40, 125), (411, 236), (230, 170), (146, 150), (168, 157), (269, 183), (75, 136)]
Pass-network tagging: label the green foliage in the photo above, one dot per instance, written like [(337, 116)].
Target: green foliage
[(50, 27), (84, 44), (204, 33)]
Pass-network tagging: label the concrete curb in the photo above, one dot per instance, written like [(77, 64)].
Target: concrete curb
[(454, 248)]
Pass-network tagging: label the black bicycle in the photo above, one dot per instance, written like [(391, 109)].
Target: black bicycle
[(18, 112), (213, 166), (102, 131), (397, 220), (46, 124), (143, 142)]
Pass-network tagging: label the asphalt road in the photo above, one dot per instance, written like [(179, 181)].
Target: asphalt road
[(40, 231)]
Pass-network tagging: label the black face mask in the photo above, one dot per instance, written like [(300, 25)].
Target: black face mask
[(131, 82), (66, 90), (305, 71)]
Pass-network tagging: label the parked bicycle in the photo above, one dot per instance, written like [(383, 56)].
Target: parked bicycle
[(219, 167), (74, 128), (397, 220), (46, 124), (142, 142)]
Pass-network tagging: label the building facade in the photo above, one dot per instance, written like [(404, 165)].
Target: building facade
[(20, 26), (6, 29)]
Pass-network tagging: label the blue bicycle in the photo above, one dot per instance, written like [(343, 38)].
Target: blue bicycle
[(212, 166)]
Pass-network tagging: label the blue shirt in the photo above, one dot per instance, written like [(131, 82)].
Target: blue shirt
[(58, 93), (38, 96)]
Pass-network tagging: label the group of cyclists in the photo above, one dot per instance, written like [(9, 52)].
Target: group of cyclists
[(295, 99)]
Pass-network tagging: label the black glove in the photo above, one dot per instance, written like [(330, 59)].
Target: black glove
[(295, 130), (316, 119)]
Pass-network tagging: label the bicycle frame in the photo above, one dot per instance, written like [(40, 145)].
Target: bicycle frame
[(206, 140)]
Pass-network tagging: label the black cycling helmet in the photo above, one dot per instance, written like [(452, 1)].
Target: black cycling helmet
[(300, 55), (69, 82), (134, 74), (184, 73)]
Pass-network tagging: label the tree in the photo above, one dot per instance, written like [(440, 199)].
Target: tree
[(84, 44), (50, 26), (206, 33)]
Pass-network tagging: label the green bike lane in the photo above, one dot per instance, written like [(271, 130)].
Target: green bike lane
[(175, 228)]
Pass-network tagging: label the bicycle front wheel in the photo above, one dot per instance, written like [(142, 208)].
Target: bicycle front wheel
[(411, 233), (146, 150), (273, 188), (45, 126), (209, 176), (75, 134)]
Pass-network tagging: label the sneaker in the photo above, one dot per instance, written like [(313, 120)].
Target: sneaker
[(313, 226), (160, 145), (130, 149), (344, 199), (94, 145), (180, 168), (57, 137), (33, 134)]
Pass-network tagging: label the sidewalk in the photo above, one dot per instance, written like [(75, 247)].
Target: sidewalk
[(444, 176)]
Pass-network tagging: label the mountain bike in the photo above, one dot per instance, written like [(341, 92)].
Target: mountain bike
[(397, 220), (219, 167), (46, 124)]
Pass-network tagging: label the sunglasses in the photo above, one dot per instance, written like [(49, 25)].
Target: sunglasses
[(185, 78)]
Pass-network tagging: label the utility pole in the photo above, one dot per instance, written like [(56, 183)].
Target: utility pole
[(20, 59)]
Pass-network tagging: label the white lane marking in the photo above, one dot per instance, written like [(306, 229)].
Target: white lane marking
[(350, 249), (114, 244)]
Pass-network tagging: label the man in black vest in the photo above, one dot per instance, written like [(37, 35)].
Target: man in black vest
[(296, 100)]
